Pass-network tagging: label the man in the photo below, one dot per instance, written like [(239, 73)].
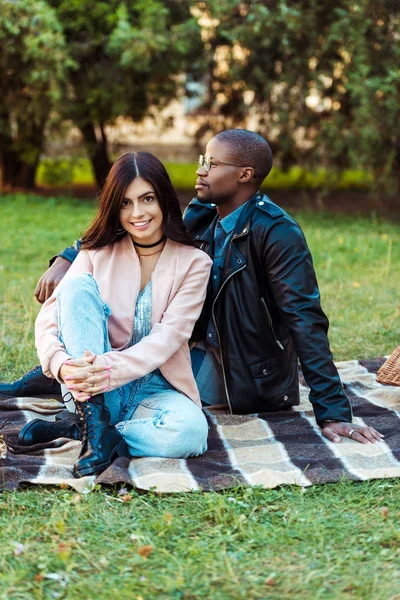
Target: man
[(262, 311)]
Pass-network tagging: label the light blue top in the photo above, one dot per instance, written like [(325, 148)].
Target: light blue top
[(142, 323)]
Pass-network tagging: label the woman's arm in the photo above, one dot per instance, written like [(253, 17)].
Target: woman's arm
[(166, 337)]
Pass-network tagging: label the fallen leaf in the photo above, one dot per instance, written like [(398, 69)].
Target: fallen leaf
[(145, 551), (126, 498)]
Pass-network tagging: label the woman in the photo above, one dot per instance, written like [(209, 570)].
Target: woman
[(115, 331)]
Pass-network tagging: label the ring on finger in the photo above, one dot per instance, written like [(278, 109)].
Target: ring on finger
[(351, 433)]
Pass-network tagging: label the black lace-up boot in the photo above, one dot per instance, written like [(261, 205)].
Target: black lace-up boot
[(101, 442), (40, 431), (34, 383)]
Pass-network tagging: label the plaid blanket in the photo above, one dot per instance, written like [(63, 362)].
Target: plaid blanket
[(267, 449)]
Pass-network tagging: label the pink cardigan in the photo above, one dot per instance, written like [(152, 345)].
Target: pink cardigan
[(179, 284)]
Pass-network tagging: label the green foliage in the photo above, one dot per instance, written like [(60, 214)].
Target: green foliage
[(33, 56), (183, 176), (132, 42), (32, 66), (141, 38), (298, 178), (320, 79), (59, 172), (78, 171), (367, 89), (119, 59)]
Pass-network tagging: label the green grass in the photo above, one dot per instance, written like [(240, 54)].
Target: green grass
[(78, 171), (338, 541), (333, 541)]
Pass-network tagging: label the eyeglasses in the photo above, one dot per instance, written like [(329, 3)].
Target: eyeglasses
[(207, 163)]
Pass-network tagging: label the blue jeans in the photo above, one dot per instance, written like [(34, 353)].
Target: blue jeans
[(152, 416), (209, 377)]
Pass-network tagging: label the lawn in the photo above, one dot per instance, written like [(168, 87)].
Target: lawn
[(328, 542)]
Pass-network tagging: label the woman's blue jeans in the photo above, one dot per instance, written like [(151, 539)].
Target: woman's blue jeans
[(152, 416)]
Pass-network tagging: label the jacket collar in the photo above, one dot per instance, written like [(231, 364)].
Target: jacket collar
[(244, 221), (257, 201)]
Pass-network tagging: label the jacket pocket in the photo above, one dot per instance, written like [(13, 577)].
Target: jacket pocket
[(264, 368)]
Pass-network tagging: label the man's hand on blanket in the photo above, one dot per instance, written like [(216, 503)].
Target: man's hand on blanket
[(84, 379), (335, 431), (51, 278)]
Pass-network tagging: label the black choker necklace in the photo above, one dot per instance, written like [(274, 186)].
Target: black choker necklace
[(150, 245)]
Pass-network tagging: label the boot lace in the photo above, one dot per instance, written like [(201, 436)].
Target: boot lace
[(67, 397), (88, 423)]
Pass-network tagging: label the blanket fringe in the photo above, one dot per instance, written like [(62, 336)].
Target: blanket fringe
[(3, 447)]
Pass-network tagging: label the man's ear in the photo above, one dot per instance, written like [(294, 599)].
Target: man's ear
[(246, 175)]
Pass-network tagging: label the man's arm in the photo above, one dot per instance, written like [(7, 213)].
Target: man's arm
[(58, 267), (293, 284)]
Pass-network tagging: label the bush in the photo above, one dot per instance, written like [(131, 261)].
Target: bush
[(77, 171), (183, 176), (58, 172)]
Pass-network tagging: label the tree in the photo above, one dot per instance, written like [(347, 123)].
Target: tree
[(319, 78), (32, 62), (112, 59), (363, 125), (126, 61), (258, 65)]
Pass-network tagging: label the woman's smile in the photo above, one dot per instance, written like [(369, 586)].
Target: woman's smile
[(141, 224)]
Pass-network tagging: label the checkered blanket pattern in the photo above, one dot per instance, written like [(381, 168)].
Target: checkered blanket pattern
[(266, 449)]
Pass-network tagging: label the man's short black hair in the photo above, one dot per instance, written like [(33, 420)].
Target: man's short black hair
[(248, 149)]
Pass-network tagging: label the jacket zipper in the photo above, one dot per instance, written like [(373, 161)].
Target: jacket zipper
[(277, 342), (219, 338)]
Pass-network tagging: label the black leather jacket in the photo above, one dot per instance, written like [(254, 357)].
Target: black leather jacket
[(267, 313)]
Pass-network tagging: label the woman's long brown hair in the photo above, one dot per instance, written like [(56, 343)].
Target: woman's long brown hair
[(106, 229)]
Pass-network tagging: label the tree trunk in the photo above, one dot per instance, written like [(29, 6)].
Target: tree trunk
[(16, 172), (97, 151)]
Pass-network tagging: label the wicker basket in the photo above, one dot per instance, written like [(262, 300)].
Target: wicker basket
[(390, 370)]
